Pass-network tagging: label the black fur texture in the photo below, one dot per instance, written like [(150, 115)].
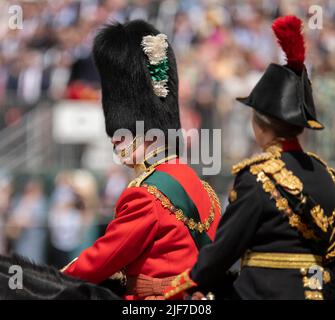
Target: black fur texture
[(127, 93)]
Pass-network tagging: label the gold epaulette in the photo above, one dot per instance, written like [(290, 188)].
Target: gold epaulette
[(330, 170), (275, 168), (271, 153)]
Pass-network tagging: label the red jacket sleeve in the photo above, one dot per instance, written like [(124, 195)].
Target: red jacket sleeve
[(126, 237)]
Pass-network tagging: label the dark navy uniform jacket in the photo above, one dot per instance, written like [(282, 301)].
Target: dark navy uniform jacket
[(255, 221)]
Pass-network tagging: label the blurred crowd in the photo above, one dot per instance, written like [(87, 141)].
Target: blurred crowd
[(222, 48), (54, 227)]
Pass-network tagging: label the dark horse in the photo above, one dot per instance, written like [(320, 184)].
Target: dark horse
[(47, 283)]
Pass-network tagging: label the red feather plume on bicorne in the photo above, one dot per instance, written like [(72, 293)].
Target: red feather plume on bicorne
[(288, 31)]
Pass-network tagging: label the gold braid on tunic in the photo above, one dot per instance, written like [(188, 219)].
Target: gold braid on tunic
[(271, 172)]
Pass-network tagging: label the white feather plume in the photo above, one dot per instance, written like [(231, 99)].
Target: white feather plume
[(155, 47), (160, 88)]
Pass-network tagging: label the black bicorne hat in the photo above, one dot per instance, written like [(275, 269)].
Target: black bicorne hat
[(127, 80), (285, 92)]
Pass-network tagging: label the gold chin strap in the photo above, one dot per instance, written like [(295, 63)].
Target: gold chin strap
[(154, 153), (147, 162), (130, 148)]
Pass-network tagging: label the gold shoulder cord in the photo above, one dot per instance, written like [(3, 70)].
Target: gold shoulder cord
[(275, 169), (282, 204), (269, 164)]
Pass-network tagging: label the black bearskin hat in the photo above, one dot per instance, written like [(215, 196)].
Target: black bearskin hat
[(126, 80), (285, 92)]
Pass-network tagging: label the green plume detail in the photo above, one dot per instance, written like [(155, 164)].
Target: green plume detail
[(159, 72)]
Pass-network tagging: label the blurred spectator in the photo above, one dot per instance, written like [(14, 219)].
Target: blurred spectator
[(5, 202), (64, 220), (85, 186), (26, 223), (117, 181), (222, 48), (72, 222)]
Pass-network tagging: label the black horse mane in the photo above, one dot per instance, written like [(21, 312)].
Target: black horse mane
[(44, 271), (46, 282)]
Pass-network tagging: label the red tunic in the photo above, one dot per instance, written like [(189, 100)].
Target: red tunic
[(146, 238)]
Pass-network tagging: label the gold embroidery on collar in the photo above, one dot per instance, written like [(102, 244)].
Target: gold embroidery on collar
[(190, 223)]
